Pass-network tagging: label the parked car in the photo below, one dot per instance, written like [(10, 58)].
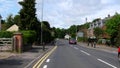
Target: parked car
[(72, 41)]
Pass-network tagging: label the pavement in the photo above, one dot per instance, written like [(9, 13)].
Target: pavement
[(100, 47), (28, 54), (23, 60)]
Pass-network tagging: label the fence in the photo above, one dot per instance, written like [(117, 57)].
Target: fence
[(6, 44)]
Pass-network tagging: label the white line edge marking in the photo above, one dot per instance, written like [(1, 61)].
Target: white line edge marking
[(45, 66), (48, 60), (107, 63), (85, 52), (76, 48)]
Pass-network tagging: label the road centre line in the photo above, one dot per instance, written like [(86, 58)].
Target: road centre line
[(106, 63), (84, 52), (32, 61), (44, 60), (48, 60), (45, 66), (76, 48), (40, 60), (39, 63)]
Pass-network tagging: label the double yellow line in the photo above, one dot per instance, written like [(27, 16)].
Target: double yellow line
[(39, 63)]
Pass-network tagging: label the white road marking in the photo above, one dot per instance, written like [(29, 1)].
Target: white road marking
[(107, 63), (32, 61), (85, 52), (45, 66), (76, 48), (48, 60)]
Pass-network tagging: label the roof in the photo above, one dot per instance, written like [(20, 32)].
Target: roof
[(13, 28)]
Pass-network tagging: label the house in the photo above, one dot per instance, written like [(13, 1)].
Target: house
[(80, 34), (97, 23), (67, 36), (13, 28)]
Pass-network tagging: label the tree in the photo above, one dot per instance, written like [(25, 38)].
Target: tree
[(112, 25), (28, 18), (83, 28), (46, 32), (96, 20), (17, 20), (59, 33), (9, 21), (4, 26), (73, 30), (118, 38), (98, 32)]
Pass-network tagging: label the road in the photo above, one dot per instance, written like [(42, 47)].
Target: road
[(63, 55), (76, 56)]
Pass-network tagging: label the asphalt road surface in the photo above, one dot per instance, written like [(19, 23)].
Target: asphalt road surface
[(64, 55), (75, 56)]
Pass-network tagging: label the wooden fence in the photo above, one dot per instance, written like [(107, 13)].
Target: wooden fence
[(6, 44)]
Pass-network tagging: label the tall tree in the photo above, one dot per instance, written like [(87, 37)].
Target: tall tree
[(73, 30), (112, 27), (118, 37), (17, 20), (28, 17), (10, 21)]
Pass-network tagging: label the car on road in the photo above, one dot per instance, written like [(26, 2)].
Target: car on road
[(72, 41)]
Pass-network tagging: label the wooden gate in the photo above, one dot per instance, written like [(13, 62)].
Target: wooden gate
[(6, 44)]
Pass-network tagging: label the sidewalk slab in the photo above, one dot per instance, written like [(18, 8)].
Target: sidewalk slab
[(100, 47), (24, 59)]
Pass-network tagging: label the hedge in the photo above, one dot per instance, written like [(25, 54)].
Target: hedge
[(82, 39), (6, 34), (28, 37)]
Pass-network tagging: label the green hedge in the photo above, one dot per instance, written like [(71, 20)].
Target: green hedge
[(82, 39), (6, 34), (28, 37)]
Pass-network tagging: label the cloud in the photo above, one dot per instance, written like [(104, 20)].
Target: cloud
[(75, 11), (64, 13), (8, 7), (19, 0)]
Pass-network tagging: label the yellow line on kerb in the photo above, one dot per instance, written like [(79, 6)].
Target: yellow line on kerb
[(39, 63)]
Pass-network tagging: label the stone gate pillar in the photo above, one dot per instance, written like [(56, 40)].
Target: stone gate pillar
[(18, 42)]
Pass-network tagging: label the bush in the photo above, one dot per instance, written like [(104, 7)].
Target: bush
[(6, 34), (29, 37), (82, 39)]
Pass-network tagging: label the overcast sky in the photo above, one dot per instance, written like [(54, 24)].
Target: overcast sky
[(64, 13)]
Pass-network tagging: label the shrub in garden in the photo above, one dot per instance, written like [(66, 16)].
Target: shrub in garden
[(29, 37), (6, 34)]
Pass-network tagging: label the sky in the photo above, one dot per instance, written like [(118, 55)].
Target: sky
[(64, 13)]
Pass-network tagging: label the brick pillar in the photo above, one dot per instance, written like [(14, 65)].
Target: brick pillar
[(18, 42)]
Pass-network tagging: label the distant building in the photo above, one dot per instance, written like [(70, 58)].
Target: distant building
[(98, 23), (13, 28), (67, 36), (80, 34)]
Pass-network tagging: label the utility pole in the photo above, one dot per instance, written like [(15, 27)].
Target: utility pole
[(0, 23), (41, 25), (76, 32), (86, 19)]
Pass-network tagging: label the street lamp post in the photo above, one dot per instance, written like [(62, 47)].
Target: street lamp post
[(0, 22), (42, 24), (76, 32)]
